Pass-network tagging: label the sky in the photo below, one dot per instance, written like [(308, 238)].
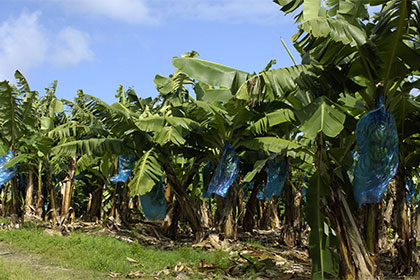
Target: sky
[(96, 45)]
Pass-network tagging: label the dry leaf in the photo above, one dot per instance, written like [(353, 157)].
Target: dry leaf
[(114, 274), (136, 274)]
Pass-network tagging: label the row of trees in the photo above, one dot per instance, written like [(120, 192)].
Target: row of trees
[(307, 113)]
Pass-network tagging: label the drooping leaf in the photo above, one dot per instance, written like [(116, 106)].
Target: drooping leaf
[(47, 124), (19, 158), (279, 83), (323, 255), (258, 166), (164, 85), (56, 106), (169, 134), (323, 116), (272, 119), (146, 172), (12, 126), (95, 146), (22, 83), (338, 30), (311, 9), (270, 144), (210, 95), (211, 73)]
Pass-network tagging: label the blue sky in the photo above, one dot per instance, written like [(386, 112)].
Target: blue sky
[(96, 45)]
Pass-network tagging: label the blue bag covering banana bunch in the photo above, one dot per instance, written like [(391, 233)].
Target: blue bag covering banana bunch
[(276, 178), (126, 164), (7, 174), (153, 203), (226, 172), (377, 140)]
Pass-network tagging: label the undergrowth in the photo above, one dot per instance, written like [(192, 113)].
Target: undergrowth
[(106, 254)]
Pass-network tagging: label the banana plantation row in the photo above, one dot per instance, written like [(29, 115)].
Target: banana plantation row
[(344, 124)]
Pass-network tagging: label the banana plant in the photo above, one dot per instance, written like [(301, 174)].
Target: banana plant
[(231, 120), (19, 123), (372, 54)]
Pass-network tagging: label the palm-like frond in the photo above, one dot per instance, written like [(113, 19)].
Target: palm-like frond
[(271, 144), (95, 146), (74, 129), (147, 172), (211, 73), (11, 116), (271, 119)]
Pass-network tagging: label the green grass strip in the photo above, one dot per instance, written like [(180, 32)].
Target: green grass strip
[(106, 254)]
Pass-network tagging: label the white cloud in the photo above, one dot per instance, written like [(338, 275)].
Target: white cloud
[(72, 47), (23, 44), (130, 11), (26, 44)]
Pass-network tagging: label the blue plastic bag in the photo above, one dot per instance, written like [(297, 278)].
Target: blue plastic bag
[(411, 188), (276, 177), (377, 139), (226, 172), (126, 164), (6, 174), (153, 203), (206, 179), (303, 191)]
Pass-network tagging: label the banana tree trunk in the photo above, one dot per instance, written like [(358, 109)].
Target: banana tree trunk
[(226, 218), (292, 216), (205, 214), (94, 211), (124, 197), (292, 228), (251, 206), (170, 223), (180, 193), (355, 261), (50, 190), (372, 229), (15, 207), (40, 197), (5, 191), (68, 187), (113, 209), (29, 192), (387, 207), (405, 243), (416, 226), (274, 219)]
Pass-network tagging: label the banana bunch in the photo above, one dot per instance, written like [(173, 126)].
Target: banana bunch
[(276, 177), (377, 140), (225, 174)]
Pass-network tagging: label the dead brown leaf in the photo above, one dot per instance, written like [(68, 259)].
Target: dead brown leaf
[(114, 274)]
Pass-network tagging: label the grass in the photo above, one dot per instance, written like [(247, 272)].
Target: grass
[(104, 254), (12, 270)]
